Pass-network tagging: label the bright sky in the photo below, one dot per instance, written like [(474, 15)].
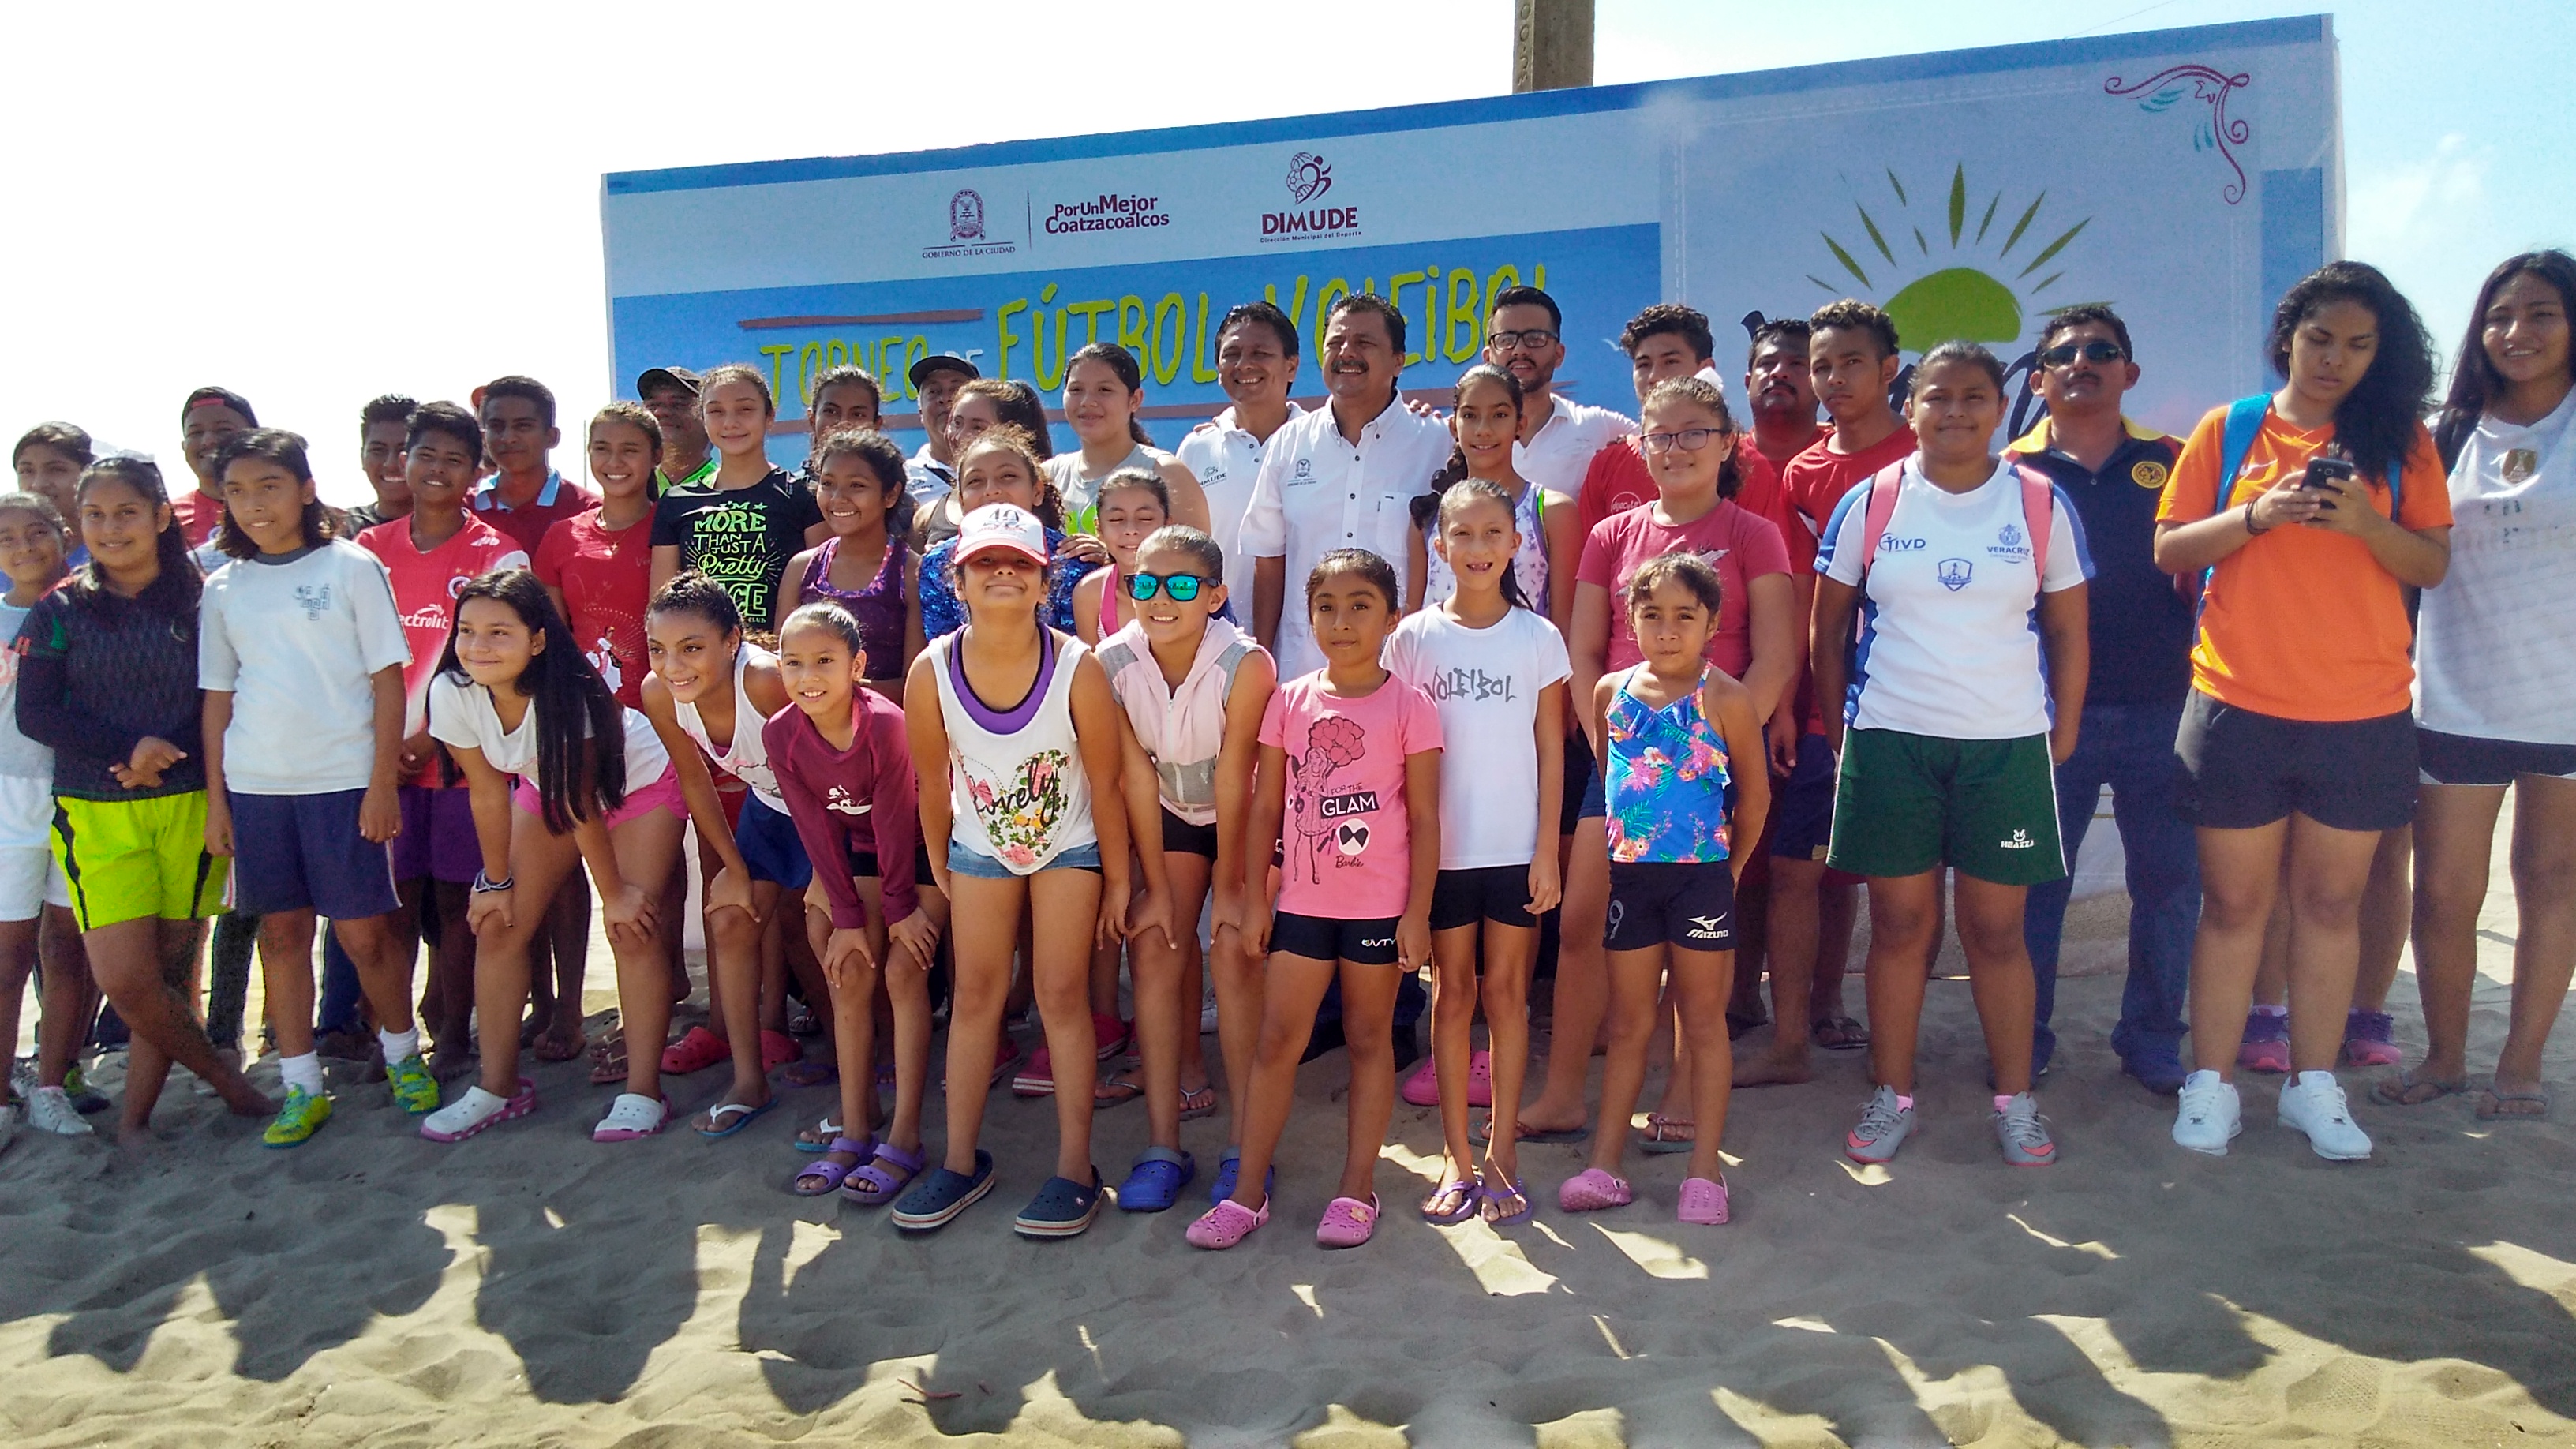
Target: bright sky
[(314, 204)]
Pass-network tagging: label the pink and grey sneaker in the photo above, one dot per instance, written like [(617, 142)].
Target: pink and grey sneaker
[(1348, 1222), (2366, 1039), (1703, 1201), (2267, 1042)]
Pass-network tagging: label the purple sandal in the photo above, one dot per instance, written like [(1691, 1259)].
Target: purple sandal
[(823, 1175), (871, 1185)]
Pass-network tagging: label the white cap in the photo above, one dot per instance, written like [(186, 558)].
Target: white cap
[(1002, 525)]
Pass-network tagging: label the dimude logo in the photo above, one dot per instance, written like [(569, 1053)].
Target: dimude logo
[(1309, 176), (1106, 212)]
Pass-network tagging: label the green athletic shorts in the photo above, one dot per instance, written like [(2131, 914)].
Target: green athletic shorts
[(1986, 808)]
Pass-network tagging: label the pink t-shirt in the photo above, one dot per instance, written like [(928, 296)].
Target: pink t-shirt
[(1348, 849), (1741, 545)]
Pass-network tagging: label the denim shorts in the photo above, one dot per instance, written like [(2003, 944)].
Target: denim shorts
[(964, 859)]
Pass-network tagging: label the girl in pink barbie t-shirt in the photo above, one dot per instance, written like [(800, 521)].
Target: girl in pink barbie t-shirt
[(1350, 766)]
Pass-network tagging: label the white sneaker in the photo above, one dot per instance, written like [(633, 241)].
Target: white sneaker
[(2208, 1117), (2314, 1104), (50, 1109)]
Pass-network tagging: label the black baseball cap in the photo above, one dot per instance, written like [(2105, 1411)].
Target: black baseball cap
[(937, 362), (679, 377)]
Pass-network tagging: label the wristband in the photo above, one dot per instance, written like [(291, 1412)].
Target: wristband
[(2250, 530), (485, 885)]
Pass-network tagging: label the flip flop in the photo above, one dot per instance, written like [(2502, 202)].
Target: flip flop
[(695, 1051), (1199, 1103), (1657, 1136), (1469, 1201), (608, 1063), (743, 1115), (2491, 1102), (2410, 1088), (1114, 1092), (1839, 1034), (823, 1175), (1520, 1189), (820, 1139), (1481, 1132), (633, 1116), (869, 1184)]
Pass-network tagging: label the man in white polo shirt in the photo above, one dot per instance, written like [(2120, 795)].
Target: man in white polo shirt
[(1558, 436), (1342, 476), (1256, 362)]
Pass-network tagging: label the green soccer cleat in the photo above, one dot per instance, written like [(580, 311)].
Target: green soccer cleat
[(296, 1122), (415, 1090)]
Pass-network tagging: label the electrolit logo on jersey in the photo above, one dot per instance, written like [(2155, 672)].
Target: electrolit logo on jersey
[(1954, 573), (432, 617), (1893, 544)]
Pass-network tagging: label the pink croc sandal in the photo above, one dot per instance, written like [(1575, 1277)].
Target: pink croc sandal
[(1348, 1222), (1592, 1190), (1703, 1201), (1226, 1224)]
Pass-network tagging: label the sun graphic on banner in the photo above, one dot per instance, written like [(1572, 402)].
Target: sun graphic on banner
[(1983, 292)]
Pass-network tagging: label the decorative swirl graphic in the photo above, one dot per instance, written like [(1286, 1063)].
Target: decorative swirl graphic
[(2171, 85), (1308, 177)]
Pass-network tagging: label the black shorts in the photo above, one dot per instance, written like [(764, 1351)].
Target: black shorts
[(1657, 902), (1802, 806), (1497, 893), (2242, 769), (863, 864), (1582, 784), (1362, 943), (1180, 835), (2461, 760)]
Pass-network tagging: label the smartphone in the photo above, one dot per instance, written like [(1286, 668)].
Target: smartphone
[(2321, 469)]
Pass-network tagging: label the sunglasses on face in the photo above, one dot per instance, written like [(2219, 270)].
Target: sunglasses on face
[(2065, 353), (1182, 587)]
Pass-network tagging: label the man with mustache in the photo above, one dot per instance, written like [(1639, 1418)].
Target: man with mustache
[(2141, 629)]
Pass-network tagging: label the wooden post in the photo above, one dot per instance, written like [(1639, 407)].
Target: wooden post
[(1551, 44)]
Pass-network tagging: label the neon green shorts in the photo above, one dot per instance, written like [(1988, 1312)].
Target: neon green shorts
[(129, 859)]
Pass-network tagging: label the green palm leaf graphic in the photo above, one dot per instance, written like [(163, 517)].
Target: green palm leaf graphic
[(1920, 244), (1875, 239), (1990, 215), (2054, 248), (1830, 288), (1958, 201), (2022, 225), (1845, 258), (2043, 286), (1900, 187)]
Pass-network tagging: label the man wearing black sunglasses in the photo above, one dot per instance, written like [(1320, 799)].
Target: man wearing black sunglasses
[(2115, 471)]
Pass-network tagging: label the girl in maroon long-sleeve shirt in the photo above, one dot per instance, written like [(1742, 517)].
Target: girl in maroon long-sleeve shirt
[(845, 769)]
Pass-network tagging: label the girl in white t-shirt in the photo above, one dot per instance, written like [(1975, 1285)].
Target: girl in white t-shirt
[(513, 697), (35, 900), (1497, 670), (2495, 697), (1016, 719)]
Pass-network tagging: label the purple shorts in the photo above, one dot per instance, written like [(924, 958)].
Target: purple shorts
[(437, 839)]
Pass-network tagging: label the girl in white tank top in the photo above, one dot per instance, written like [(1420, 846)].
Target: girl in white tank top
[(707, 680), (1026, 734)]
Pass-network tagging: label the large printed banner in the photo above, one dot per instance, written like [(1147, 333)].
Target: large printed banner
[(2184, 176)]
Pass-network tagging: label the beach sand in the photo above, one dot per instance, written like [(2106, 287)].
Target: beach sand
[(531, 1288)]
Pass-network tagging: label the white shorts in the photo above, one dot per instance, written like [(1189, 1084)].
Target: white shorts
[(29, 877)]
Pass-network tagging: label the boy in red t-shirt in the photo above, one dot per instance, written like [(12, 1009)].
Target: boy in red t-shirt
[(431, 552)]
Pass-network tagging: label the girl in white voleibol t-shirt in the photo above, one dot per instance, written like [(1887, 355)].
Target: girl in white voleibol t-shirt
[(513, 697), (1497, 670), (1967, 692), (2495, 695)]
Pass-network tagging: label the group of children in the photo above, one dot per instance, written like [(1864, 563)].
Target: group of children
[(919, 731)]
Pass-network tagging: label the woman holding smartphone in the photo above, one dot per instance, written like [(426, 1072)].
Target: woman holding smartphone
[(2312, 510)]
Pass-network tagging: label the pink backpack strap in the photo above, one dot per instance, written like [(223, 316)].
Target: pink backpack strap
[(2038, 514), (1883, 493)]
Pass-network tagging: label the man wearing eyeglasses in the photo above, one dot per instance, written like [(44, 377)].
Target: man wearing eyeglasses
[(1558, 435), (2115, 470)]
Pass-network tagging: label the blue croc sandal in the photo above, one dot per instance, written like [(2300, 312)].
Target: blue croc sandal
[(1227, 1169), (1061, 1209), (939, 1195), (1155, 1182)]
